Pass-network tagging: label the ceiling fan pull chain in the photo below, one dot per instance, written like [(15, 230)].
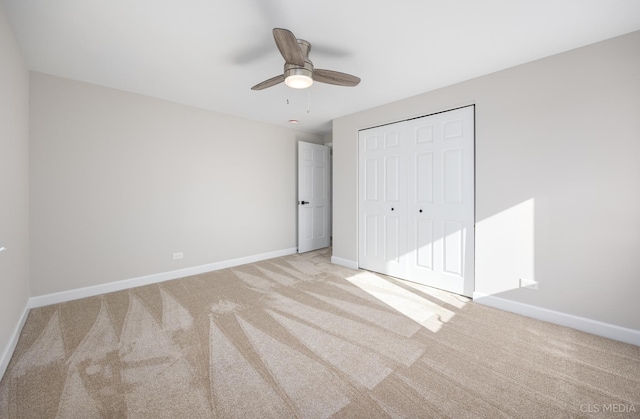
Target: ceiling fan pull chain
[(308, 101)]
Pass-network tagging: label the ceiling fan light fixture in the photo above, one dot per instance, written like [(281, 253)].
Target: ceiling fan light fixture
[(298, 81), (298, 78)]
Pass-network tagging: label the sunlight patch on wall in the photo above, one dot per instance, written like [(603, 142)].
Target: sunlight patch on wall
[(505, 250)]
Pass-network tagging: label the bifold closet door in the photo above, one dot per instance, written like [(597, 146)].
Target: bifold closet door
[(416, 200), (440, 193), (383, 200)]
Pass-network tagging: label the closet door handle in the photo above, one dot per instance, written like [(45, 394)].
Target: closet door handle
[(420, 210), (391, 208)]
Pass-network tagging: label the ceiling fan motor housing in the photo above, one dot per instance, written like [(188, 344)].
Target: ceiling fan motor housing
[(296, 72)]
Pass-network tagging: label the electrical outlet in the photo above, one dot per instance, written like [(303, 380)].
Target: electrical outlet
[(529, 283), (177, 256)]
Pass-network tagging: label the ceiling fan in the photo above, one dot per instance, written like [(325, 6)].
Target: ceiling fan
[(298, 68)]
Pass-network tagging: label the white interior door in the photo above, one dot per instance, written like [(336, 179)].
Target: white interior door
[(416, 200), (383, 202), (313, 196), (441, 200)]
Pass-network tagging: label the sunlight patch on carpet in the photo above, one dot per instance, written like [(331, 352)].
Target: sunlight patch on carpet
[(422, 311)]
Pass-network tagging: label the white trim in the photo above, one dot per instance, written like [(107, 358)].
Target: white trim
[(7, 353), (344, 262), (60, 297), (584, 324)]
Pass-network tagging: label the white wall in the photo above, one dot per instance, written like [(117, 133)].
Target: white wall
[(557, 149), (14, 188), (120, 182)]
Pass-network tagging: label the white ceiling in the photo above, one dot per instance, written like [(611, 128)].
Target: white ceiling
[(208, 53)]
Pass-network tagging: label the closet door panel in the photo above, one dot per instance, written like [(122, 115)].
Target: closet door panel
[(441, 196), (382, 197), (424, 241), (371, 236), (424, 177)]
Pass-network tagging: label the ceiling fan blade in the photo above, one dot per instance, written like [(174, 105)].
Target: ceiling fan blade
[(335, 77), (268, 83), (288, 46)]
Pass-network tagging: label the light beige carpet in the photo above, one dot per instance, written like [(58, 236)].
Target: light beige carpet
[(299, 337)]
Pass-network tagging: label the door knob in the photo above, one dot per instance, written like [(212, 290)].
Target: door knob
[(391, 209), (304, 202), (420, 210)]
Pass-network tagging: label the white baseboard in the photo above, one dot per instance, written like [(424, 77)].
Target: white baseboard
[(344, 262), (595, 327), (7, 352), (61, 297)]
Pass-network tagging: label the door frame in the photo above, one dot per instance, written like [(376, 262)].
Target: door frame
[(325, 240)]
